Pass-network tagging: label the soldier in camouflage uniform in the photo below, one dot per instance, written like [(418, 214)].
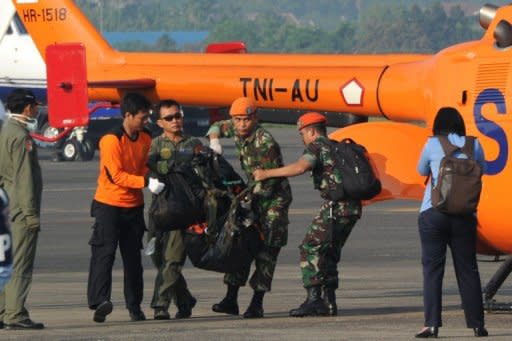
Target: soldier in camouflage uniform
[(170, 148), (271, 199), (321, 248), (20, 176)]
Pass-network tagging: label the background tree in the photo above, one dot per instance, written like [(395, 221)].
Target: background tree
[(424, 26)]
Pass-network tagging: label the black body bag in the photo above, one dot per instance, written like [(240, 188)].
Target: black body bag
[(228, 245), (180, 204)]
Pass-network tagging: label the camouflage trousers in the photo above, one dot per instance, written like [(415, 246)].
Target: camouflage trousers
[(320, 250), (265, 260)]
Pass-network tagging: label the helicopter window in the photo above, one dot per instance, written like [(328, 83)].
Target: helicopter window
[(503, 34), (19, 25)]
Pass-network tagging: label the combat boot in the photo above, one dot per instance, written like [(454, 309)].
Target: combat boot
[(255, 309), (330, 301), (226, 306), (185, 310), (229, 305), (314, 305)]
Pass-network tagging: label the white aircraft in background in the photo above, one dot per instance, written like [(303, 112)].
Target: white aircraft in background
[(22, 66)]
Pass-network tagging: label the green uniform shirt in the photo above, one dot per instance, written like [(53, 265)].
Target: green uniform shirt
[(259, 150), (163, 152), (20, 173)]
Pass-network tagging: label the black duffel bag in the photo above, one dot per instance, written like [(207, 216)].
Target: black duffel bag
[(180, 204), (219, 172)]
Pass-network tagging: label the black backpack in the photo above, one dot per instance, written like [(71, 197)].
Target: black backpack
[(459, 182), (359, 180)]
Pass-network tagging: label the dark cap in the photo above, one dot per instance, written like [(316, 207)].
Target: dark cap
[(18, 99)]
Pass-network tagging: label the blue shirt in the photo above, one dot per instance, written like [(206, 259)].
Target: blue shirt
[(430, 160)]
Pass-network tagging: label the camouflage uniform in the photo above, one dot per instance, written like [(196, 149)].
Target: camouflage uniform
[(20, 175), (169, 255), (321, 248), (272, 197)]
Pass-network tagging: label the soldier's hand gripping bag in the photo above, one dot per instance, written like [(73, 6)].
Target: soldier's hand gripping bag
[(180, 204), (227, 247)]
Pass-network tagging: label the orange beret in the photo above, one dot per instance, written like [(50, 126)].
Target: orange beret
[(243, 106), (310, 118)]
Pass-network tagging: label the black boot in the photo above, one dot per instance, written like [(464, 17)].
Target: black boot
[(255, 309), (481, 332), (314, 305), (330, 301), (185, 310), (229, 305)]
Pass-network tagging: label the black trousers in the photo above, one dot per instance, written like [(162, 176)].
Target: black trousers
[(437, 231), (116, 225)]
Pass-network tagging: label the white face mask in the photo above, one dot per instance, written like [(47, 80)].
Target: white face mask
[(30, 123)]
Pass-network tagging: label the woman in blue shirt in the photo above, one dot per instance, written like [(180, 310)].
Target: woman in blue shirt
[(439, 230)]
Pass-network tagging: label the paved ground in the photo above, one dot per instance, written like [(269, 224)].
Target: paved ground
[(380, 296)]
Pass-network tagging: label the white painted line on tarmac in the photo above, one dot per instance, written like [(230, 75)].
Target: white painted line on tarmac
[(312, 211)]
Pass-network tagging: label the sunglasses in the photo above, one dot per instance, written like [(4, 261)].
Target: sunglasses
[(169, 118)]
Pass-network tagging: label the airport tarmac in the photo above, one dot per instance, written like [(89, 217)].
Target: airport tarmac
[(380, 295)]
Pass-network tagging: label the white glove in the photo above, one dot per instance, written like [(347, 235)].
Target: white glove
[(216, 146), (155, 186)]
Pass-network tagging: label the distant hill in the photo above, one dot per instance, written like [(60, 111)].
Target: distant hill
[(339, 26), (186, 15)]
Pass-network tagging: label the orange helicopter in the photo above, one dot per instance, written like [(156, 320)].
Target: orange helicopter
[(472, 77)]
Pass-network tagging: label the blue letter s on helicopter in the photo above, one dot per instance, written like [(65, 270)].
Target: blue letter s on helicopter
[(491, 129)]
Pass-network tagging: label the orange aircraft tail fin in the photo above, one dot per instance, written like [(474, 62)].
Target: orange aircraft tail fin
[(67, 85), (61, 21)]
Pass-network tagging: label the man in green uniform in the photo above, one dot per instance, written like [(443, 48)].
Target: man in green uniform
[(169, 149), (271, 199), (20, 176), (321, 248)]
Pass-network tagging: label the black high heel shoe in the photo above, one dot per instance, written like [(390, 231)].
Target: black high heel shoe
[(428, 332), (480, 332)]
